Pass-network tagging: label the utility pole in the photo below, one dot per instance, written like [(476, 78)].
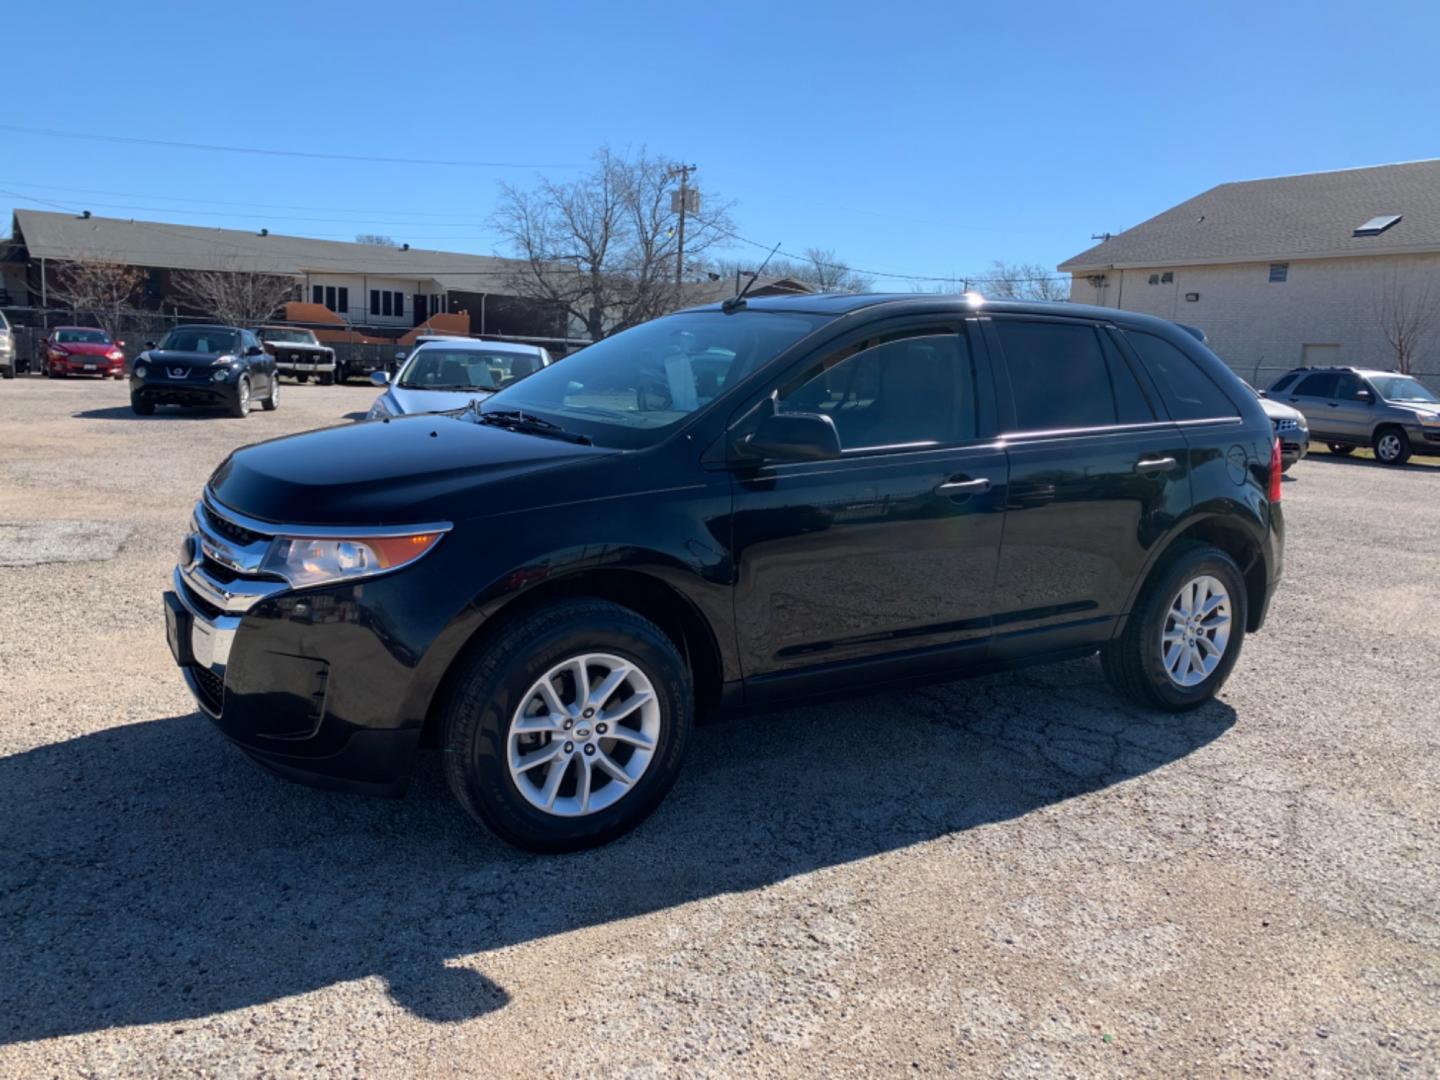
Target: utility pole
[(681, 202)]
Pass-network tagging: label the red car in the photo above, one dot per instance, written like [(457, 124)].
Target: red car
[(81, 350)]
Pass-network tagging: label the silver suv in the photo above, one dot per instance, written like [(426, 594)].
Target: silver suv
[(1347, 407), (7, 349)]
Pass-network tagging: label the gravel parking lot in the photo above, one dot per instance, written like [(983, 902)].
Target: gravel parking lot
[(1014, 875)]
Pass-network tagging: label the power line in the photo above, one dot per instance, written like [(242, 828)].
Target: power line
[(176, 144)]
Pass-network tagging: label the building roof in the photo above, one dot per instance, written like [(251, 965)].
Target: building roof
[(1311, 216), (50, 235)]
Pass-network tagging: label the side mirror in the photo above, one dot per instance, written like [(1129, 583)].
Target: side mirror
[(120, 344), (795, 437), (1364, 395), (380, 378), (151, 345), (254, 350)]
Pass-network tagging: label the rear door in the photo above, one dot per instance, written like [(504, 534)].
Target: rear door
[(1097, 474), (1312, 396)]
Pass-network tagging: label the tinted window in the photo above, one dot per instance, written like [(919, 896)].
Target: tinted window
[(1283, 382), (1131, 405), (1347, 385), (893, 393), (1321, 384), (1058, 376), (200, 339), (1188, 392), (82, 337)]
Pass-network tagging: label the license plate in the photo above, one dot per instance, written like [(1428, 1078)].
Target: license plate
[(177, 630), (89, 367)]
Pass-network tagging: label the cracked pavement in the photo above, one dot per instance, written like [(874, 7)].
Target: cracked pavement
[(1014, 875)]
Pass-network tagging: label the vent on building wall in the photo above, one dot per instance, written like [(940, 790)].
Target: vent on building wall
[(1279, 271), (1376, 225)]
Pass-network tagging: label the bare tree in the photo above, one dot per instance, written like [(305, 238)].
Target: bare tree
[(821, 269), (235, 296), (1023, 281), (603, 247), (1405, 311), (377, 239), (100, 287)]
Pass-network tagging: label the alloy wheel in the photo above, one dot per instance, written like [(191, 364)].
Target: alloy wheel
[(1196, 631), (1387, 447), (583, 735), (244, 391)]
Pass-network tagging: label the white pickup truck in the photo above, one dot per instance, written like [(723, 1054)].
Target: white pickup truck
[(298, 353)]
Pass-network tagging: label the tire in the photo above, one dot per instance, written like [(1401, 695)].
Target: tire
[(302, 378), (140, 406), (1135, 662), (272, 401), (240, 406), (342, 374), (1339, 449), (1391, 446), (327, 379), (495, 683)]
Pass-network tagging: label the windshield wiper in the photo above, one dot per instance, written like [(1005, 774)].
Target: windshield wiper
[(517, 420)]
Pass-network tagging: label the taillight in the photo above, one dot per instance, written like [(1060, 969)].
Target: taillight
[(1277, 468)]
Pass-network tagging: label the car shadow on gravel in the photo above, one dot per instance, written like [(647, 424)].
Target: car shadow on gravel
[(124, 412), (150, 874)]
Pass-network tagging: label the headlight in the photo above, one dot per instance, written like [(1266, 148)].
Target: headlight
[(141, 371), (378, 411), (1430, 420), (311, 562)]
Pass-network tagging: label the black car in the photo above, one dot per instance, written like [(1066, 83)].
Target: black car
[(209, 366), (870, 492)]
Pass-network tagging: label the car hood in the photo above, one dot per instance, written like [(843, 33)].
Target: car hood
[(1277, 411), (172, 358), (86, 348), (1424, 408), (407, 401), (409, 470)]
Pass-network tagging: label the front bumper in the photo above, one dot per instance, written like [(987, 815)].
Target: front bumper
[(316, 685), (99, 366), (178, 392), (287, 367)]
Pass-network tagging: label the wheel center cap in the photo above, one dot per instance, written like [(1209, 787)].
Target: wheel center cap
[(582, 732)]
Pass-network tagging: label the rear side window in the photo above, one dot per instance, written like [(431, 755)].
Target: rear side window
[(1283, 382), (1187, 391), (1321, 384), (1064, 375)]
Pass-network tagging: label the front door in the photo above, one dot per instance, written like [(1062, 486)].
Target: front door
[(888, 552), (1096, 474), (422, 308)]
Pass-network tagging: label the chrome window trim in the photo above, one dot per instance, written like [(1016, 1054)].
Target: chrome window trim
[(1116, 429), (321, 532)]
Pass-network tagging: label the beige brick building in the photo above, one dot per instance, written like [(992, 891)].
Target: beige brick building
[(1282, 272)]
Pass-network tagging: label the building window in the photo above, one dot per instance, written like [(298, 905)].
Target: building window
[(399, 304), (1167, 277), (344, 300), (154, 284), (385, 302), (1279, 271), (330, 297), (317, 294), (374, 301), (1154, 279)]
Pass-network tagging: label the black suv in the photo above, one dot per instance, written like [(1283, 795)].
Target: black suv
[(730, 506), (208, 366)]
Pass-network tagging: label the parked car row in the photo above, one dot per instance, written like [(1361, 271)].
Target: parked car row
[(729, 507)]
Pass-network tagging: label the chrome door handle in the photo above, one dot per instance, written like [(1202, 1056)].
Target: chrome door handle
[(1159, 464), (963, 487)]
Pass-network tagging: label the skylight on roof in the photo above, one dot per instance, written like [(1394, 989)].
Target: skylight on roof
[(1376, 225)]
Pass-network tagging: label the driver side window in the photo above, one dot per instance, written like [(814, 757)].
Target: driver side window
[(916, 390)]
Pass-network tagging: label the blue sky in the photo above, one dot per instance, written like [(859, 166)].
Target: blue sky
[(919, 138)]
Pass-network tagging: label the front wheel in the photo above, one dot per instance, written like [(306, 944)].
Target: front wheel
[(240, 404), (567, 729), (326, 379), (1184, 635), (1392, 446), (140, 407), (271, 403), (1339, 449)]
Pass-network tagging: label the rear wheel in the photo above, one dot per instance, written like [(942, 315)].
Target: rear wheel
[(1340, 449), (326, 379), (1184, 635), (140, 406), (1392, 446), (273, 400), (302, 378), (569, 727)]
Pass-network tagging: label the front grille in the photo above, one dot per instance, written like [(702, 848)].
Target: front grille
[(232, 532), (199, 603), (210, 688)]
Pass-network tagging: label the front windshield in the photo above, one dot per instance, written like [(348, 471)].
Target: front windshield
[(435, 367), (1402, 388), (200, 339), (297, 337), (654, 375), (82, 337)]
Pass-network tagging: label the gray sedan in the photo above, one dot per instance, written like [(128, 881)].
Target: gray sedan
[(449, 374)]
